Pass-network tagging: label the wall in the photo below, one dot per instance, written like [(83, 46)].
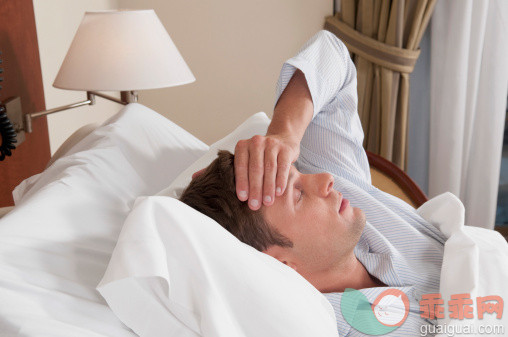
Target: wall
[(235, 50), (57, 22)]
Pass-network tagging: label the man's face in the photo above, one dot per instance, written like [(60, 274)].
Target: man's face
[(309, 213)]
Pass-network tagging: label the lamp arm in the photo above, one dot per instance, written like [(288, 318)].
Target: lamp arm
[(127, 97), (28, 117)]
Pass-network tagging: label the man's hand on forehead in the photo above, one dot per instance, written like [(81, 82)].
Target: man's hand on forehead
[(262, 165)]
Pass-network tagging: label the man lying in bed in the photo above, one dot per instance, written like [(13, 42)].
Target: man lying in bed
[(312, 215)]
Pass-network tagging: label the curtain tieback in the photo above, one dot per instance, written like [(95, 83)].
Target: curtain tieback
[(391, 57)]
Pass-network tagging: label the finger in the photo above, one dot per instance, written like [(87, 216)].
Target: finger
[(270, 173), (283, 166), (242, 170), (198, 173), (256, 171)]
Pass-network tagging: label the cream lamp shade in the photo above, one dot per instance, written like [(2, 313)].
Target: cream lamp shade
[(122, 50)]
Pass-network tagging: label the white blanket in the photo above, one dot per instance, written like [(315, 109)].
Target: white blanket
[(475, 262), (56, 243), (176, 272)]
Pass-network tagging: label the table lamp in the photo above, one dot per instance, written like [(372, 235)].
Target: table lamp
[(120, 50)]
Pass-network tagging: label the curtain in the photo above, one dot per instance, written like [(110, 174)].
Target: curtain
[(383, 36), (469, 84)]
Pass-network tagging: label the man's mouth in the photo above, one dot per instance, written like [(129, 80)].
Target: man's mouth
[(344, 203)]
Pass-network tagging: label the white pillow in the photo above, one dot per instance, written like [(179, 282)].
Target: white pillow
[(56, 243), (158, 149), (257, 124), (176, 272)]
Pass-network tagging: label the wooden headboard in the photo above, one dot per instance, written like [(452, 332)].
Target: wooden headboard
[(389, 178), (21, 76)]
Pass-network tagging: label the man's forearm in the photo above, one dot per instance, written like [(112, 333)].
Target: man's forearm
[(293, 111)]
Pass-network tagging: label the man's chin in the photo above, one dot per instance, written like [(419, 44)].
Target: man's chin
[(358, 223)]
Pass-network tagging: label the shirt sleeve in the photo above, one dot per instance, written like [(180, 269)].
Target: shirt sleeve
[(333, 140)]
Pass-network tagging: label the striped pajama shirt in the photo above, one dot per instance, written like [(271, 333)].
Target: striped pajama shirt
[(397, 246)]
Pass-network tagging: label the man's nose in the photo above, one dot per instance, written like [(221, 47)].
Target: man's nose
[(325, 183)]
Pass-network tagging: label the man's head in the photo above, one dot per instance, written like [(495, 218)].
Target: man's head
[(213, 194), (323, 233), (303, 228)]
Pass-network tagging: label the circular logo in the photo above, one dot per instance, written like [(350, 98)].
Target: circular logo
[(391, 307), (389, 310)]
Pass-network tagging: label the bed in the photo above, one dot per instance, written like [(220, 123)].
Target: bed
[(95, 247), (57, 242)]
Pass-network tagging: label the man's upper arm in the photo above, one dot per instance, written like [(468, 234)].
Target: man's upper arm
[(333, 140)]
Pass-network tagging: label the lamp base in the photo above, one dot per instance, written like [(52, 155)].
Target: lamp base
[(129, 96)]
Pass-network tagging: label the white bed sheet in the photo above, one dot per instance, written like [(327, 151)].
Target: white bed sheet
[(176, 272), (56, 243), (186, 284), (475, 262)]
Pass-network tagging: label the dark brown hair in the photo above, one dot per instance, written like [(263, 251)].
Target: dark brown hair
[(213, 193)]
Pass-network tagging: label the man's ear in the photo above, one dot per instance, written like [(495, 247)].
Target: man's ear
[(198, 173), (282, 254)]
